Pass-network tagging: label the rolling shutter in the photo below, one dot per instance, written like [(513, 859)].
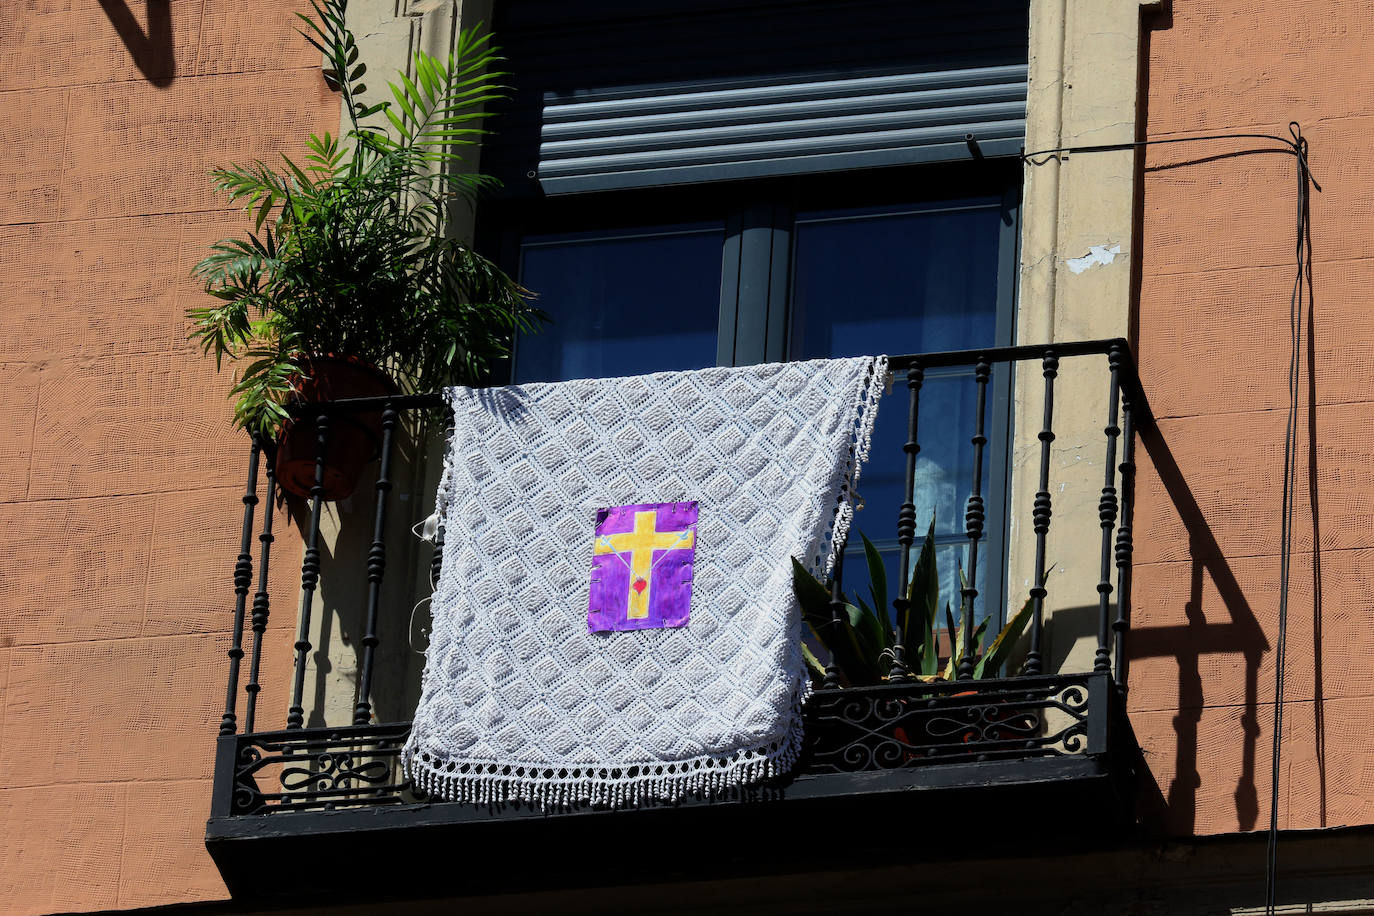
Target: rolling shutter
[(608, 96)]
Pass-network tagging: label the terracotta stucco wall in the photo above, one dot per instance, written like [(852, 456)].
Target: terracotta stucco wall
[(120, 477), (1217, 264)]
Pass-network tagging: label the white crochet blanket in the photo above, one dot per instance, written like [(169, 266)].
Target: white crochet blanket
[(520, 700)]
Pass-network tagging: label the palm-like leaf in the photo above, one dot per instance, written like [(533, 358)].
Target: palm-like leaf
[(875, 636), (838, 634), (350, 251), (442, 106), (1001, 647), (956, 641), (877, 574), (922, 606), (813, 664)]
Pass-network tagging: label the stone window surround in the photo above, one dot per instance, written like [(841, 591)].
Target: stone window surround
[(1084, 89)]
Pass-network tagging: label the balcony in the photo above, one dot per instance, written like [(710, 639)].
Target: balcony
[(296, 810)]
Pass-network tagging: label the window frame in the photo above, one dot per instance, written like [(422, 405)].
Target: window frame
[(757, 273)]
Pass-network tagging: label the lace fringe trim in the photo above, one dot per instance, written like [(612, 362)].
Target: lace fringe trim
[(866, 412), (562, 787)]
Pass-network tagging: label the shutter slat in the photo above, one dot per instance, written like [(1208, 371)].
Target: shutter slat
[(963, 117), (808, 145), (901, 103), (1007, 79), (586, 128)]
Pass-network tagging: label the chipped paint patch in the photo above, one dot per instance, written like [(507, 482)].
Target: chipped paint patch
[(1097, 254)]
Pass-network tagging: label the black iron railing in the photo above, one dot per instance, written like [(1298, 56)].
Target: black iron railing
[(902, 724)]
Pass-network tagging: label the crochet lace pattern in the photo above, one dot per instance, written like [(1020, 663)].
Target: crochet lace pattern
[(519, 701)]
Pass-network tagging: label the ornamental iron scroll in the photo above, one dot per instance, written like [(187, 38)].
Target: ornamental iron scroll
[(915, 724), (894, 726), (321, 768)]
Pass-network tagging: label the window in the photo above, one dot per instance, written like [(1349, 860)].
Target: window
[(623, 302), (793, 269), (708, 182)]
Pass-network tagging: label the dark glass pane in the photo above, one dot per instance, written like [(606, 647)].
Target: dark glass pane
[(905, 281), (944, 466), (622, 304)]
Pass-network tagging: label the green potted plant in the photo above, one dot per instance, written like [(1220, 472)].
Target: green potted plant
[(861, 638), (349, 283)]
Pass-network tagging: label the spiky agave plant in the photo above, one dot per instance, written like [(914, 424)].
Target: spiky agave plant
[(861, 639), (350, 253)]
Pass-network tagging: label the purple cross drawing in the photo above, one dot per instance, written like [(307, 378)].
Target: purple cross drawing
[(642, 567)]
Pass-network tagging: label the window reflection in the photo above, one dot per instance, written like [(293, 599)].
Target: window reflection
[(622, 304), (905, 280), (916, 279)]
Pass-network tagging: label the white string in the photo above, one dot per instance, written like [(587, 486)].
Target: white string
[(682, 536), (410, 629), (605, 542), (430, 526), (426, 529)]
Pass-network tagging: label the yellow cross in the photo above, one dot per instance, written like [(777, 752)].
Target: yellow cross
[(640, 544)]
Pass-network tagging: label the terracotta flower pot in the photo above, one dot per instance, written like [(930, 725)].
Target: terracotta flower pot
[(354, 439)]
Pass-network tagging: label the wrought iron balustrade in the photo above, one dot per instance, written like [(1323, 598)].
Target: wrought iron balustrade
[(907, 724)]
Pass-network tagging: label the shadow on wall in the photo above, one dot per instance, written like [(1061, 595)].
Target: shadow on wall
[(151, 51), (1242, 634), (1189, 642)]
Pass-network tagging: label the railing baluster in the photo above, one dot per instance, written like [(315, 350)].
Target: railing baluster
[(837, 612), (376, 568), (243, 578), (1123, 534), (1041, 520), (310, 574), (261, 601), (973, 524), (1106, 513), (906, 524)]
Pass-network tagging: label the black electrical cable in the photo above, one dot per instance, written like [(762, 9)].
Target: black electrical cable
[(1297, 146), (1295, 317)]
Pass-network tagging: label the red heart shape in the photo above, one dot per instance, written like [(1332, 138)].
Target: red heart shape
[(640, 585)]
